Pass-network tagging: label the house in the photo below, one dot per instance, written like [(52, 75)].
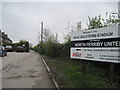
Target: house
[(4, 39)]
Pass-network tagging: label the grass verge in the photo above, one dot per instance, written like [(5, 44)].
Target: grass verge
[(68, 74)]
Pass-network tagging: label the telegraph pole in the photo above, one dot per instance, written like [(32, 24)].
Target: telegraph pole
[(41, 32), (41, 50)]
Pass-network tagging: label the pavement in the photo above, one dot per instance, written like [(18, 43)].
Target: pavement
[(25, 70)]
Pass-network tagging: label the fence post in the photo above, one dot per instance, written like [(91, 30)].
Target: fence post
[(112, 72), (83, 67)]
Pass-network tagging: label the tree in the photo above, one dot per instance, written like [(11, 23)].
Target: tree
[(21, 42), (25, 44), (95, 22), (48, 36), (99, 22), (111, 18)]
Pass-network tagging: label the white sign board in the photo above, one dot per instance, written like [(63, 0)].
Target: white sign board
[(101, 44)]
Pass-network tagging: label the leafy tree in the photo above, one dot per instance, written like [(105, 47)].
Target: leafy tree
[(48, 36), (95, 22), (99, 22), (111, 18), (49, 46), (23, 42)]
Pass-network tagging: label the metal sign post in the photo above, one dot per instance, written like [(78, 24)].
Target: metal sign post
[(112, 72), (83, 67)]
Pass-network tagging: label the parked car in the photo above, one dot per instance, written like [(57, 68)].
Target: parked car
[(20, 49), (9, 48), (3, 51)]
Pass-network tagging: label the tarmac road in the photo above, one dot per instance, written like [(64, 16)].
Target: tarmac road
[(25, 70)]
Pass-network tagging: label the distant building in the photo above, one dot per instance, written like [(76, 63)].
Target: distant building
[(4, 39)]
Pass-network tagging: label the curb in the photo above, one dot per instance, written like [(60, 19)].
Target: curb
[(48, 69)]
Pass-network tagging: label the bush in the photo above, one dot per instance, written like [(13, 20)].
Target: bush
[(36, 48), (66, 49), (51, 48)]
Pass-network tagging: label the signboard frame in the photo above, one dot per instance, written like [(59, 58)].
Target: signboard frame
[(86, 44)]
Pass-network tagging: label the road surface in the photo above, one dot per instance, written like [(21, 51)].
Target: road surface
[(25, 70)]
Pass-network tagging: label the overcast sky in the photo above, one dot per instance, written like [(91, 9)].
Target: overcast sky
[(21, 20)]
